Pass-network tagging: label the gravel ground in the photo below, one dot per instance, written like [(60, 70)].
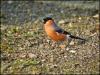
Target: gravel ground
[(26, 49)]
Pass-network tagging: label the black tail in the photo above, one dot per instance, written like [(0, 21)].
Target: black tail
[(71, 36), (75, 37)]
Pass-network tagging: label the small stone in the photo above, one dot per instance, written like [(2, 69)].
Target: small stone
[(36, 21), (96, 16), (65, 56), (70, 25), (67, 48), (48, 41), (23, 55), (71, 43), (79, 18), (43, 60), (51, 58), (31, 55), (62, 11), (62, 46), (62, 52), (55, 66), (63, 22), (93, 34), (9, 2), (20, 48), (72, 51)]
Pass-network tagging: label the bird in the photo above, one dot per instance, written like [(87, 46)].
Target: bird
[(55, 32)]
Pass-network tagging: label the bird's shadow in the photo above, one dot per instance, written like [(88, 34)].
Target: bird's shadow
[(84, 41), (81, 42)]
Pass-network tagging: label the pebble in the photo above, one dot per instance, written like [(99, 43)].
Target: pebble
[(62, 46), (96, 16), (65, 56), (70, 25), (72, 43), (48, 41), (79, 18), (36, 21), (72, 51), (22, 55), (63, 22), (53, 66), (9, 2), (43, 60), (67, 48), (31, 55), (21, 48)]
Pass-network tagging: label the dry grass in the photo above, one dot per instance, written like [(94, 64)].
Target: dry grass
[(27, 49)]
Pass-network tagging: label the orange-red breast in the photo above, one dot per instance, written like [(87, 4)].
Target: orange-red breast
[(55, 32)]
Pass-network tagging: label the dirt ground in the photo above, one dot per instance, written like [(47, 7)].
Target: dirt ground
[(26, 49)]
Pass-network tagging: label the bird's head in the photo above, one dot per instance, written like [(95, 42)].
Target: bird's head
[(46, 19)]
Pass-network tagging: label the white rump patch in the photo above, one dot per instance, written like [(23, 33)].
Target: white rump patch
[(68, 36)]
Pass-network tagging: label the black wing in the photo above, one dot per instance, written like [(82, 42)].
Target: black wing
[(59, 30)]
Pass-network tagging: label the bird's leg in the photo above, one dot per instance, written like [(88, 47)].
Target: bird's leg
[(53, 43), (69, 39)]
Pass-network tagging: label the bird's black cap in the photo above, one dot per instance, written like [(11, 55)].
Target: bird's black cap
[(46, 19)]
